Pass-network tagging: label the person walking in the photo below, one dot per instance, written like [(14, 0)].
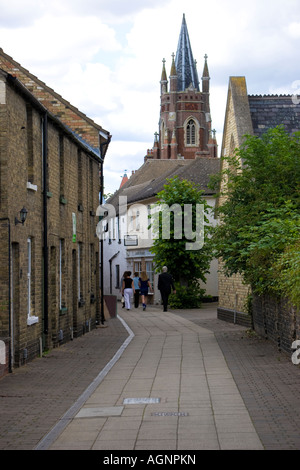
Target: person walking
[(121, 289), (136, 289), (165, 283), (127, 289), (145, 286)]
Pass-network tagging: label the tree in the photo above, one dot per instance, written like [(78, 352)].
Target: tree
[(260, 219), (181, 229)]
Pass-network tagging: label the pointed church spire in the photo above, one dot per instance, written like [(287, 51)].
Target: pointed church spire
[(164, 80), (205, 69), (205, 76), (164, 73), (173, 67), (185, 64)]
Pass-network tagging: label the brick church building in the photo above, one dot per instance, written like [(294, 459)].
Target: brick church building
[(185, 121), (184, 146)]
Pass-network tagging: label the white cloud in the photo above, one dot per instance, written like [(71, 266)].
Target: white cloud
[(105, 56), (294, 30)]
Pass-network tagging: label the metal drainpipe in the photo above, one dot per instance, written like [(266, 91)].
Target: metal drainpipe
[(45, 221), (9, 298)]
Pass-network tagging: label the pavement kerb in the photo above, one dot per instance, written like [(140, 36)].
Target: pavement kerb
[(213, 367), (46, 442)]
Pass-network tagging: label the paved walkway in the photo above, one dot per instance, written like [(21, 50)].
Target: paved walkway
[(170, 390), (154, 381)]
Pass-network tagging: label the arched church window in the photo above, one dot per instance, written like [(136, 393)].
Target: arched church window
[(162, 134), (191, 132)]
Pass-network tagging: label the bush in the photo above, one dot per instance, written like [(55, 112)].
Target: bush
[(187, 296)]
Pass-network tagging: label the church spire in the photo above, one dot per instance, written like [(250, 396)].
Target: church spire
[(205, 76), (185, 64), (164, 80)]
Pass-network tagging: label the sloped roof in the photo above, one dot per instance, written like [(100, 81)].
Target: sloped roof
[(152, 176), (82, 127), (18, 85), (269, 111)]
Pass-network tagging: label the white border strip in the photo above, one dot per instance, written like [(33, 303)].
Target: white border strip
[(45, 443)]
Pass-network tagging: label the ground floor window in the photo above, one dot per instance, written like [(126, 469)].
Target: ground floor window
[(31, 318), (150, 272), (138, 267)]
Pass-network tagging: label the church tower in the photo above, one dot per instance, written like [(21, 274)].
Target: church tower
[(185, 121)]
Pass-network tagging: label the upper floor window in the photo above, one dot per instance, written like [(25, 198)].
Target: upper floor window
[(191, 132)]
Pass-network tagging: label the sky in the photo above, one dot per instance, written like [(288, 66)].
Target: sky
[(105, 57)]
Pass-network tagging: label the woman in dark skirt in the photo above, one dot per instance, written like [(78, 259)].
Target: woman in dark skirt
[(144, 288)]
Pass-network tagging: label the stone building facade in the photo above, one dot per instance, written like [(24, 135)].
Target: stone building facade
[(49, 276)]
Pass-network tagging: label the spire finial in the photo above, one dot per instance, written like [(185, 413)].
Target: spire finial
[(173, 66), (164, 74)]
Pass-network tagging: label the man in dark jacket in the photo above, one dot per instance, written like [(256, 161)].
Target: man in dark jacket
[(165, 282)]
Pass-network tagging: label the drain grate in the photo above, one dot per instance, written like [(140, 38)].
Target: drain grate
[(138, 401), (169, 413)]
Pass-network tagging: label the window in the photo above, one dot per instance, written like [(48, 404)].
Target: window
[(150, 272), (62, 301), (80, 273), (29, 277), (138, 267), (92, 268), (162, 135), (191, 133), (31, 318)]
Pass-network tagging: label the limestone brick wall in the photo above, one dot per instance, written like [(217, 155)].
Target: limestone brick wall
[(72, 188), (232, 290)]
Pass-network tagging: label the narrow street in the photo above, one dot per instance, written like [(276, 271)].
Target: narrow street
[(180, 380)]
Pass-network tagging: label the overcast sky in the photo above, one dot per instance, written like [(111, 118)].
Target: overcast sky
[(105, 57)]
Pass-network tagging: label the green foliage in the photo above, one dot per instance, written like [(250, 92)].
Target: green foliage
[(287, 272), (186, 265), (187, 296), (260, 213)]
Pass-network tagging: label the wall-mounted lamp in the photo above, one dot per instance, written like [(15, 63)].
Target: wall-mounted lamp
[(23, 216)]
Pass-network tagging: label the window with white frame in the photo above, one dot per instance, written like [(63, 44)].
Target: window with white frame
[(150, 272), (31, 318), (138, 267)]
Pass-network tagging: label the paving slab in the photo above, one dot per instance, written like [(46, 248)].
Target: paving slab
[(185, 362), (39, 402)]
